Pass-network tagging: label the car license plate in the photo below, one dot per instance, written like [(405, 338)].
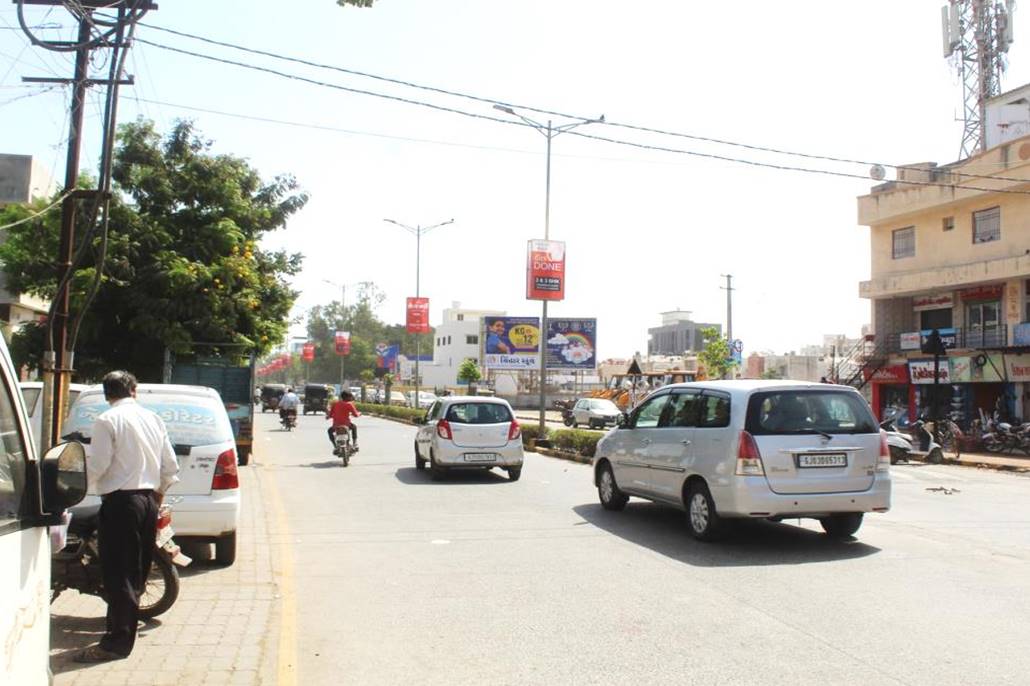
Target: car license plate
[(480, 457), (822, 460)]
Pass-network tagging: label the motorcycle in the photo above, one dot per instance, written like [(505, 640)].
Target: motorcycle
[(345, 447), (565, 407), (899, 444), (1000, 436), (288, 419), (76, 566)]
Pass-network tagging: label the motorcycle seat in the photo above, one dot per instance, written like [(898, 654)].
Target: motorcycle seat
[(84, 518), (1005, 426)]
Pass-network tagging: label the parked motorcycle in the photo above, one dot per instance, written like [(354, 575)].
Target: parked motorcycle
[(1001, 436), (345, 447), (288, 419), (565, 407), (899, 444), (77, 565)]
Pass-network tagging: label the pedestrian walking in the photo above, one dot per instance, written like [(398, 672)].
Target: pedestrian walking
[(131, 465)]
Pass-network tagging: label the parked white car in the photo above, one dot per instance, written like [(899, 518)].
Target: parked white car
[(725, 450), (32, 393), (206, 500), (466, 432), (595, 413), (425, 399)]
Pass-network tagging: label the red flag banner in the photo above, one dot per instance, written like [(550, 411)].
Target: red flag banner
[(309, 352), (418, 315), (343, 342), (545, 270)]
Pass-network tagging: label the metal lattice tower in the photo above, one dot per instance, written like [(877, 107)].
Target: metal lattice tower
[(977, 33)]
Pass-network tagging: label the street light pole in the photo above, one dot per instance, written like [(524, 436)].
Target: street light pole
[(418, 230), (549, 131)]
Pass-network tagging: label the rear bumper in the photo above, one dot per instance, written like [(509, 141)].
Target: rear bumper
[(749, 496), (453, 457), (211, 515)]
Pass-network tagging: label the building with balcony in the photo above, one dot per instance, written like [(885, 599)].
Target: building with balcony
[(456, 338), (950, 250)]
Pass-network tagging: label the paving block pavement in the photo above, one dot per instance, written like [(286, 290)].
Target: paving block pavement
[(223, 629)]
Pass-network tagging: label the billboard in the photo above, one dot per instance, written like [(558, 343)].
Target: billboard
[(572, 344), (511, 342), (545, 270), (386, 357), (418, 315), (343, 342), (309, 352)]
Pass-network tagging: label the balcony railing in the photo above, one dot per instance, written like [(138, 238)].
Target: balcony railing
[(955, 337)]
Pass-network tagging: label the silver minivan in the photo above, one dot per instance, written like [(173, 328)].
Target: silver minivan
[(724, 450)]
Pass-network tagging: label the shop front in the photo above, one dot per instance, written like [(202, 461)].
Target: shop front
[(1017, 371), (968, 384), (890, 388)]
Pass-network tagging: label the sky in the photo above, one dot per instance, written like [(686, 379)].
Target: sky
[(646, 230)]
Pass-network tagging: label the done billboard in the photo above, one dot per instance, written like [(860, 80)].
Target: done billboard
[(572, 344), (511, 342)]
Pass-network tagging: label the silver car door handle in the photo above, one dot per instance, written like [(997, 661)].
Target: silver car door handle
[(685, 441)]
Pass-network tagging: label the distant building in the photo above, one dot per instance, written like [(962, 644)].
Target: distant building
[(456, 339), (677, 335)]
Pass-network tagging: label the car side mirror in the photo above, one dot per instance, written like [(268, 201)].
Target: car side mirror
[(623, 421), (63, 477)]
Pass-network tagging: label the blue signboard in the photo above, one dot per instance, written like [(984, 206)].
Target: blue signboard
[(572, 344)]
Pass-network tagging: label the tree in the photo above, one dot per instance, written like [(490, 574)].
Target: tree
[(716, 358), (183, 262), (469, 372), (772, 374)]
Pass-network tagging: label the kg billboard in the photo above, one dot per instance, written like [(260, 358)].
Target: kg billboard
[(511, 342)]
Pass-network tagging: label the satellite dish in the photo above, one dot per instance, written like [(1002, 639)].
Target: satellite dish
[(877, 172)]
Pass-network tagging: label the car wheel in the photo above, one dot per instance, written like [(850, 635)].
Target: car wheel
[(935, 456), (841, 525), (611, 496), (436, 472), (162, 587), (705, 523), (574, 424), (225, 550), (898, 454), (420, 462), (514, 473), (567, 421)]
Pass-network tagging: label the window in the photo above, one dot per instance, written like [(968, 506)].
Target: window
[(461, 317), (681, 410), (31, 395), (935, 319), (472, 339), (987, 225), (715, 410), (948, 223), (805, 412), (12, 463), (448, 340), (903, 242), (648, 414), (479, 413)]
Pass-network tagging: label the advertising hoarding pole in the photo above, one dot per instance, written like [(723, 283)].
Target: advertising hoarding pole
[(543, 313)]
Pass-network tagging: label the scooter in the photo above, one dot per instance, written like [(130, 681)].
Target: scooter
[(899, 444), (345, 447), (921, 439), (77, 565), (565, 407)]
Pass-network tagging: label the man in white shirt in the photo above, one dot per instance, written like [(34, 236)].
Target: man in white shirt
[(131, 465), (288, 403)]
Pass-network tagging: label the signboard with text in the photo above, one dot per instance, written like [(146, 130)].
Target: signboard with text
[(892, 373), (511, 342), (418, 315), (386, 357), (343, 342), (308, 352), (1017, 367), (545, 270), (572, 344), (937, 301), (922, 371), (982, 368)]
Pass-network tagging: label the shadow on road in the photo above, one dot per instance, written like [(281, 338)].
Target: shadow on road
[(455, 477), (70, 634), (747, 543)]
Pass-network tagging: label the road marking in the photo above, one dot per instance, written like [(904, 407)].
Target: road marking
[(287, 655)]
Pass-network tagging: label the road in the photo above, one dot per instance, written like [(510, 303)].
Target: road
[(388, 578)]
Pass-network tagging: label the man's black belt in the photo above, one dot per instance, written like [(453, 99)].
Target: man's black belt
[(139, 491)]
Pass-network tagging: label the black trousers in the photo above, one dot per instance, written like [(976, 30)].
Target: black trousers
[(332, 434), (128, 526)]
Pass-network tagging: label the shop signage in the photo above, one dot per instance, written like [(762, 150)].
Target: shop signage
[(915, 340), (992, 292), (922, 371), (343, 342), (937, 301), (418, 315), (1021, 334), (892, 373), (545, 270), (982, 368), (1017, 367), (512, 343), (910, 341)]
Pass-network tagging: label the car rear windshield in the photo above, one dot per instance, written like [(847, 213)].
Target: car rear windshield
[(804, 412), (478, 413), (190, 421)]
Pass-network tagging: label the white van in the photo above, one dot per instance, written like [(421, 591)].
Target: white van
[(29, 489), (724, 450)]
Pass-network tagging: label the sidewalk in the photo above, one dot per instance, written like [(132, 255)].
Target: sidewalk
[(995, 461), (223, 629)]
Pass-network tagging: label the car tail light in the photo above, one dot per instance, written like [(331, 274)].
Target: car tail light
[(749, 460), (226, 475), (514, 431), (883, 462), (443, 430), (164, 517)]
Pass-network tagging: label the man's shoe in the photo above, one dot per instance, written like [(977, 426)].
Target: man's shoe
[(95, 654)]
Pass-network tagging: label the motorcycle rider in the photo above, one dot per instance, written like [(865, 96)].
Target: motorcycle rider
[(340, 413), (288, 405)]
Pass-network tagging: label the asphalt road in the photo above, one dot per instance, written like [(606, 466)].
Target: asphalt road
[(395, 579)]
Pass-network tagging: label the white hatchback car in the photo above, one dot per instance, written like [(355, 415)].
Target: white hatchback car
[(467, 432), (595, 413), (32, 393), (206, 500), (750, 449)]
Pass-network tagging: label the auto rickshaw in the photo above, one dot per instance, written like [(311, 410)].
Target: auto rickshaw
[(316, 398), (271, 393)]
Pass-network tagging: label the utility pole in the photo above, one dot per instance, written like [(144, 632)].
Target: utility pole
[(729, 305)]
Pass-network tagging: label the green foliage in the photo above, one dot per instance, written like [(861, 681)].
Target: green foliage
[(772, 374), (576, 441), (469, 372), (531, 432), (183, 261), (716, 357), (408, 414)]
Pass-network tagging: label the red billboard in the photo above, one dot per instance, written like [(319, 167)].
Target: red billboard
[(309, 352), (545, 270), (343, 342), (418, 315)]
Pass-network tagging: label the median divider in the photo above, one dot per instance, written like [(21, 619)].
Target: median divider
[(407, 415), (566, 444)]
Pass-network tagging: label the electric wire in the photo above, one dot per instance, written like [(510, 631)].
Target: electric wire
[(38, 214), (642, 146), (566, 115)]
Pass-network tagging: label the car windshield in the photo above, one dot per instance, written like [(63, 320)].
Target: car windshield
[(190, 421), (802, 412), (478, 413)]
